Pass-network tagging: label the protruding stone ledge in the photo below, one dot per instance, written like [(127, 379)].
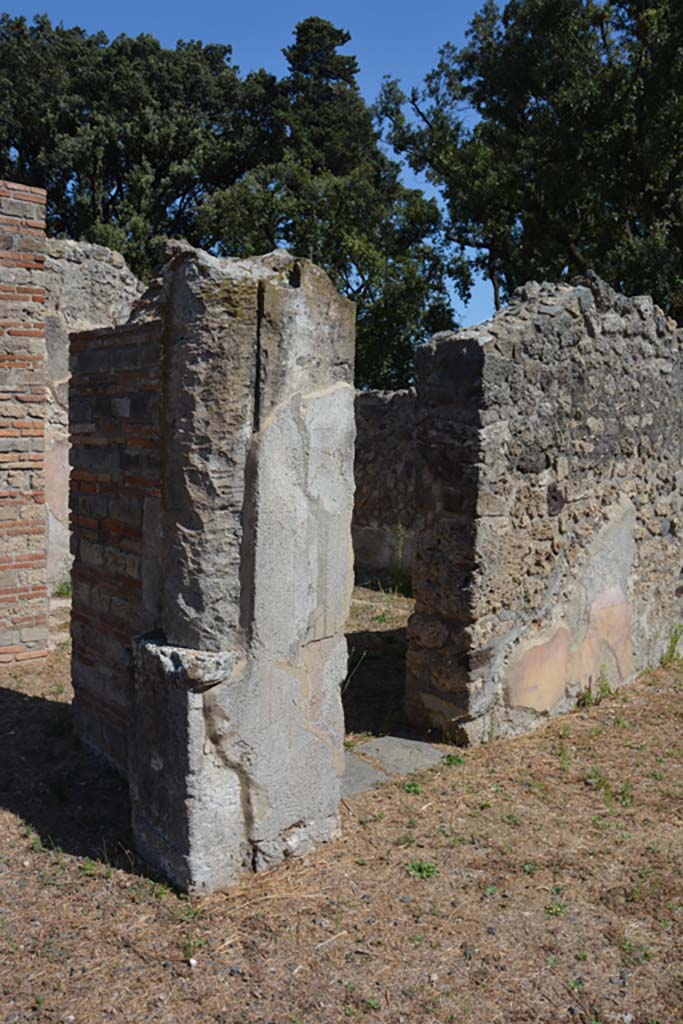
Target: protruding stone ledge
[(187, 803)]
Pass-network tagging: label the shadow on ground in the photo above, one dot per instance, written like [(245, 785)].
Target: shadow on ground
[(70, 799), (373, 691)]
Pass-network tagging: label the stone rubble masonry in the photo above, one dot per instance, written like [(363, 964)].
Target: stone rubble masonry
[(212, 489), (384, 515), (87, 286), (23, 583), (551, 485)]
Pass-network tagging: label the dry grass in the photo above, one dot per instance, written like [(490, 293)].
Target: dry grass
[(556, 888)]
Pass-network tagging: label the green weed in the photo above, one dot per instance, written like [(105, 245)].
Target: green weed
[(422, 869), (671, 656)]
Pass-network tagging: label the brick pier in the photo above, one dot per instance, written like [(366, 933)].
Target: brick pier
[(23, 561)]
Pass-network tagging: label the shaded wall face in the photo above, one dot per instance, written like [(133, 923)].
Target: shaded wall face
[(385, 519), (551, 558), (212, 454), (23, 589), (87, 286), (115, 495)]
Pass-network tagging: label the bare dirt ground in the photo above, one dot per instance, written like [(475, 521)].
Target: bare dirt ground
[(531, 880)]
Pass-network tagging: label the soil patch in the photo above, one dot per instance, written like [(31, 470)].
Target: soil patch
[(533, 879)]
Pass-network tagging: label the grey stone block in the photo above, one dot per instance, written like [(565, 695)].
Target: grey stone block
[(401, 756), (360, 776)]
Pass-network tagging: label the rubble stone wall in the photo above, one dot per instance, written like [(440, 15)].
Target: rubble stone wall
[(384, 514), (23, 584), (87, 286), (551, 560), (212, 453)]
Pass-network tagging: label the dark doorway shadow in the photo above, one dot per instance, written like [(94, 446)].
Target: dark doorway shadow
[(374, 688), (71, 799)]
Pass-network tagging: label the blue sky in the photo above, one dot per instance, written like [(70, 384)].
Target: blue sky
[(398, 38)]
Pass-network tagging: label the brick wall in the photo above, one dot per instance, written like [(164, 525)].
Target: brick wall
[(23, 583), (115, 491)]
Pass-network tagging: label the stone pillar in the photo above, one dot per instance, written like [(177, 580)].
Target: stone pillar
[(235, 723), (23, 558), (439, 691)]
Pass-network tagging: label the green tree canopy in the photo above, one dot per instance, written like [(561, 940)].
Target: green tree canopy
[(136, 143), (333, 195), (556, 138)]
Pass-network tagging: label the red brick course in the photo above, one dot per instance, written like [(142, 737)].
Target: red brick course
[(115, 484), (23, 563)]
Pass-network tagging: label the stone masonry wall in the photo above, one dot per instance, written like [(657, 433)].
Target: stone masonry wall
[(23, 585), (211, 506), (87, 286), (384, 515), (552, 488)]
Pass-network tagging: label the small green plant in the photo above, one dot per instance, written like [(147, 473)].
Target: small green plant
[(636, 952), (452, 760), (604, 690), (625, 795), (192, 912), (191, 944), (412, 787), (555, 908), (372, 1004), (671, 656), (88, 867), (597, 779), (6, 935), (563, 754), (528, 869), (491, 890), (601, 692), (62, 589), (35, 841), (510, 819), (160, 890), (422, 869)]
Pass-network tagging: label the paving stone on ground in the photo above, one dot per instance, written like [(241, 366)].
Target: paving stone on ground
[(400, 756), (359, 776)]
